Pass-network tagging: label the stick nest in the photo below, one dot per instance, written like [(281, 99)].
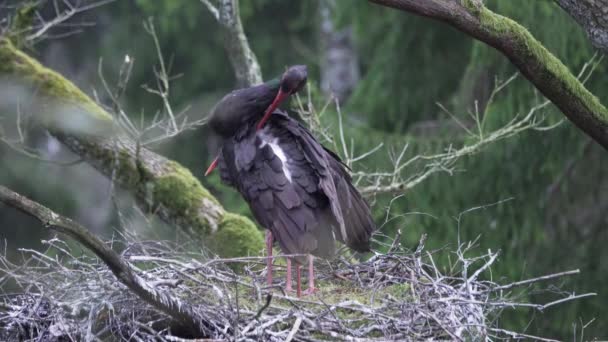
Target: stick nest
[(62, 294)]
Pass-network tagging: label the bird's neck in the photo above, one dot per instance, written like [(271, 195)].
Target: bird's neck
[(265, 94), (273, 87)]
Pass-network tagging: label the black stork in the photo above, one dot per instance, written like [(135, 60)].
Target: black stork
[(300, 191)]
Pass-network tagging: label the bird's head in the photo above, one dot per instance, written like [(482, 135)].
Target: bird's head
[(254, 105), (292, 81), (245, 106)]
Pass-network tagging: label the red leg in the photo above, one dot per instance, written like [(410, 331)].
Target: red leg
[(298, 276), (288, 281), (311, 277), (269, 241)]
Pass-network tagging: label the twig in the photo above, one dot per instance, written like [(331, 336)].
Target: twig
[(534, 280), (401, 295), (264, 307), (121, 269), (294, 329)]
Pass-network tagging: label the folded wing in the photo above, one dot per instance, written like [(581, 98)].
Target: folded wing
[(296, 188)]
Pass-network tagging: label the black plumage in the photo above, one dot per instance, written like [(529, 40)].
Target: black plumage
[(296, 188)]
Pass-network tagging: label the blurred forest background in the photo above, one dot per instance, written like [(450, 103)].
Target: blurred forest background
[(394, 69)]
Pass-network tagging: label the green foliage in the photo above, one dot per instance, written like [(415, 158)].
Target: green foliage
[(401, 57), (193, 45), (522, 168), (502, 26)]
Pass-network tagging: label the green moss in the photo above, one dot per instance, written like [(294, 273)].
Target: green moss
[(399, 290), (336, 291), (472, 6), (184, 195), (23, 21), (128, 175), (177, 191), (47, 83), (502, 27), (237, 236)]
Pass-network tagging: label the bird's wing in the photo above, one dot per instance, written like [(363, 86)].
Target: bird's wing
[(352, 214), (284, 195)]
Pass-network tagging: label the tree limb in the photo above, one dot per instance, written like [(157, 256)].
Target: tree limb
[(158, 184), (592, 16), (163, 301), (244, 62), (536, 63)]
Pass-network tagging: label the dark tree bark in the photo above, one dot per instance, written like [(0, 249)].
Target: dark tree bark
[(592, 16), (535, 62)]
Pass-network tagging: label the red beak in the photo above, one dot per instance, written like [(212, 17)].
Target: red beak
[(281, 95), (212, 166)]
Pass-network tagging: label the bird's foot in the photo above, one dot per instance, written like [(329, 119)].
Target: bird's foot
[(310, 291)]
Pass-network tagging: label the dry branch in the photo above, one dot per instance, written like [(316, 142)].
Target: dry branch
[(31, 24), (400, 295), (407, 169), (536, 63), (162, 300)]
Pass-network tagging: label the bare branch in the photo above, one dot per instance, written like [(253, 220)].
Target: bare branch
[(400, 295), (408, 172), (211, 8), (173, 307), (64, 10), (162, 76), (535, 280)]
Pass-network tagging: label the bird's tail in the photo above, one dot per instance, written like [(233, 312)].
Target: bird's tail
[(357, 216)]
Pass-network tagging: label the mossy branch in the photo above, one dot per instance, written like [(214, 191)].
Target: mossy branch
[(548, 74), (159, 185)]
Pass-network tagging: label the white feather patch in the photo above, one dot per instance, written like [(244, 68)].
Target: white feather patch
[(273, 142)]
